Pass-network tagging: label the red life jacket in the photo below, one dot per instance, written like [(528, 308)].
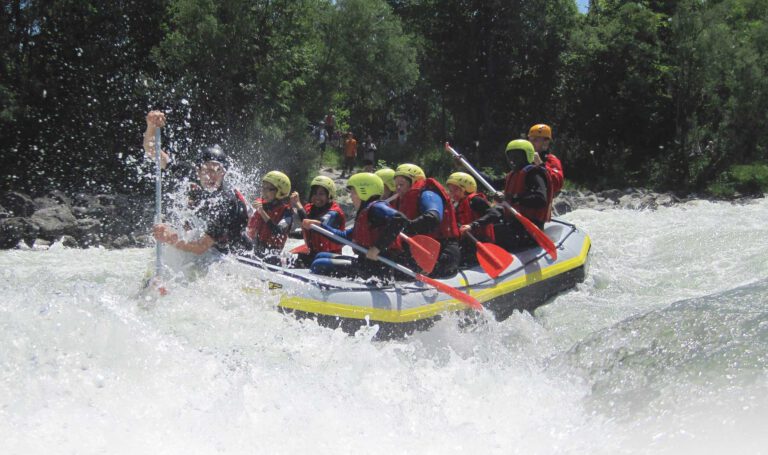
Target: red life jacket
[(555, 171), (258, 229), (515, 184), (409, 206), (317, 242), (466, 215), (366, 235)]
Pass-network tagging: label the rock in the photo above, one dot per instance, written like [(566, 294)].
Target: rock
[(4, 213), (14, 230), (69, 241), (122, 241), (613, 195), (18, 204), (562, 206), (41, 243), (55, 222)]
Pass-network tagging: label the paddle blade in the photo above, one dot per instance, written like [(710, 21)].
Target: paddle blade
[(493, 258), (538, 235), (452, 291), (301, 249), (425, 251)]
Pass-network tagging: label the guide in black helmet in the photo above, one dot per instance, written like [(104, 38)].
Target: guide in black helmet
[(223, 209)]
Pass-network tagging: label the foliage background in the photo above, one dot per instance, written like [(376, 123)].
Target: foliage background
[(664, 94)]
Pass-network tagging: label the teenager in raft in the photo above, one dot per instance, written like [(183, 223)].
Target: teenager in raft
[(474, 215), (377, 226), (272, 218), (321, 207)]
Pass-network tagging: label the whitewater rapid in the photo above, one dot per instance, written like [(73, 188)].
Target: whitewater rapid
[(663, 349)]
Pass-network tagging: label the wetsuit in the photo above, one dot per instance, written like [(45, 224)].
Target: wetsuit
[(225, 215), (330, 216)]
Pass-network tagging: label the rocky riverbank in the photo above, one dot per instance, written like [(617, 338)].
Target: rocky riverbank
[(120, 221)]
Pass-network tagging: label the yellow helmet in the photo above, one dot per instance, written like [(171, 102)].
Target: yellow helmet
[(279, 181), (411, 171), (521, 144), (464, 181), (540, 130), (325, 182), (387, 176), (366, 185)]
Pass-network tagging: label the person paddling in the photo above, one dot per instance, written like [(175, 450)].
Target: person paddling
[(474, 214), (427, 206), (272, 218), (222, 208), (323, 208), (377, 226), (528, 190)]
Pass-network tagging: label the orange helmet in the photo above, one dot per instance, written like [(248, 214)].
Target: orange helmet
[(540, 130)]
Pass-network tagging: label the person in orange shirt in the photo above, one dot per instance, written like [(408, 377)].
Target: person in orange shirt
[(350, 153)]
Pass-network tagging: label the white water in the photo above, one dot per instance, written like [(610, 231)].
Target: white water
[(664, 349)]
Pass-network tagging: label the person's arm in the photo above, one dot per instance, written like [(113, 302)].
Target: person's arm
[(331, 219), (535, 194), (282, 226), (347, 234), (393, 222), (487, 213), (165, 234), (431, 207), (155, 120)]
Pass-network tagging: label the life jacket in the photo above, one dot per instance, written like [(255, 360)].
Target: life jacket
[(364, 234), (317, 242), (465, 215), (258, 229), (408, 204), (515, 184), (555, 171)]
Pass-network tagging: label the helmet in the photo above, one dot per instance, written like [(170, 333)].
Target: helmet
[(213, 153), (464, 181), (411, 171), (325, 182), (387, 176), (366, 185), (521, 144), (280, 181), (540, 130)]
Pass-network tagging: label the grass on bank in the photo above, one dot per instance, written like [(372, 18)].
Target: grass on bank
[(741, 179)]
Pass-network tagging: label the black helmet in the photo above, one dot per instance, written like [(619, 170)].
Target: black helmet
[(213, 153)]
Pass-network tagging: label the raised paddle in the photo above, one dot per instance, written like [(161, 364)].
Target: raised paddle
[(492, 258), (442, 287), (538, 235)]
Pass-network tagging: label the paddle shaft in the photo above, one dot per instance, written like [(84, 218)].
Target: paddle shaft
[(363, 250), (158, 201)]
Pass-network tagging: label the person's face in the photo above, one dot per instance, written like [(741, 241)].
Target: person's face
[(517, 159), (319, 196), (402, 185), (268, 191), (456, 192), (356, 201), (387, 193), (540, 143), (211, 174)]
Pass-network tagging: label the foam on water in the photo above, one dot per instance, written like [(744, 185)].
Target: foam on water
[(662, 350)]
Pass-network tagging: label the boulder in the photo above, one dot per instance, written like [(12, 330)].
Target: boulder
[(55, 221), (18, 204), (14, 230)]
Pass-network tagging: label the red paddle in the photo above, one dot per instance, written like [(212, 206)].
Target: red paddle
[(492, 258), (301, 249), (425, 250)]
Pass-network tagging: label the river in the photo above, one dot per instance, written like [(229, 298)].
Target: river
[(663, 349)]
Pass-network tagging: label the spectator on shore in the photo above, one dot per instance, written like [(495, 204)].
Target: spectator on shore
[(350, 153)]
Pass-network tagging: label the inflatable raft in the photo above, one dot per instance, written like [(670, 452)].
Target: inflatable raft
[(400, 308)]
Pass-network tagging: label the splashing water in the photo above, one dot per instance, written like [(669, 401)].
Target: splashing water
[(663, 349)]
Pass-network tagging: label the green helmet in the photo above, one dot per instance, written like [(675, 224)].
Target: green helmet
[(279, 181), (521, 144), (463, 180), (387, 176), (325, 182), (366, 185)]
